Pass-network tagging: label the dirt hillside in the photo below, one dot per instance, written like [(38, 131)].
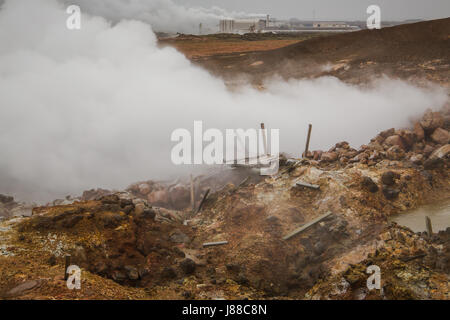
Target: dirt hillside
[(413, 51)]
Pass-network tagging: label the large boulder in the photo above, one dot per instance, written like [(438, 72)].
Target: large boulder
[(437, 157), (394, 140), (144, 189), (441, 136), (387, 133), (432, 120), (408, 137), (329, 156), (441, 152), (159, 198)]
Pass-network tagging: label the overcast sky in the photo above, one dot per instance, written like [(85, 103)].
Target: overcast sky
[(333, 9)]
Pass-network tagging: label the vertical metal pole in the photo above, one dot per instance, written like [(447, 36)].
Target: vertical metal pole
[(429, 226), (307, 141), (264, 138)]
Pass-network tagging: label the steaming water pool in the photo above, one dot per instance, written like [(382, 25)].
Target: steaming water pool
[(439, 214)]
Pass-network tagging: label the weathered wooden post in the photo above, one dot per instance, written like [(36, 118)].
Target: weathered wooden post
[(305, 155), (264, 138), (429, 226), (67, 264)]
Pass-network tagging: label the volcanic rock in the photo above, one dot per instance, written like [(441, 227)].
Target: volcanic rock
[(441, 136), (329, 156), (394, 140), (144, 188), (431, 121), (188, 266), (369, 184), (390, 193), (388, 178)]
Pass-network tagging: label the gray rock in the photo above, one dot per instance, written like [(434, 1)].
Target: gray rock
[(21, 288), (179, 237)]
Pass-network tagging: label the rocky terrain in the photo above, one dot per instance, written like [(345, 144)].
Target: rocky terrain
[(147, 242)]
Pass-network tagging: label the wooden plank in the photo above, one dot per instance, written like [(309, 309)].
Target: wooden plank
[(218, 243), (307, 185), (306, 226), (203, 200)]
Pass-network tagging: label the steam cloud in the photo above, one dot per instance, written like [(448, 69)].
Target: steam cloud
[(95, 107), (162, 15)]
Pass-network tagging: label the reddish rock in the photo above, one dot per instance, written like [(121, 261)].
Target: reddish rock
[(374, 155), (387, 133), (317, 154), (375, 145), (416, 159), (360, 157), (394, 140), (408, 137), (428, 149), (343, 145), (395, 153), (329, 156), (440, 136)]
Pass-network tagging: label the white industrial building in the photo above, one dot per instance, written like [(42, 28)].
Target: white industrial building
[(250, 25), (243, 25)]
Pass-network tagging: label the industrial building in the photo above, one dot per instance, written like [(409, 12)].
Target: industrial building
[(250, 25)]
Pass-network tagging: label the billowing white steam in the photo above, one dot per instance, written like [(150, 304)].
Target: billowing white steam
[(162, 15), (96, 107)]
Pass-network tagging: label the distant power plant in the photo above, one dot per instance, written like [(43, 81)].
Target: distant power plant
[(250, 25), (243, 25)]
